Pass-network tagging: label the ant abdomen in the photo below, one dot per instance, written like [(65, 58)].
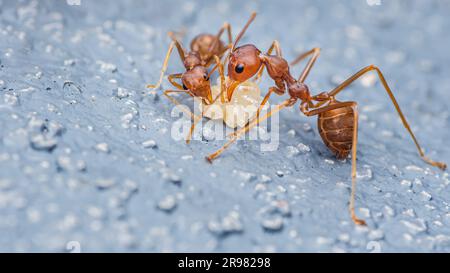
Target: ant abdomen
[(336, 129), (202, 44)]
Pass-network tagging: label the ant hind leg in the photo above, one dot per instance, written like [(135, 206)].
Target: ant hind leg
[(353, 105), (369, 68)]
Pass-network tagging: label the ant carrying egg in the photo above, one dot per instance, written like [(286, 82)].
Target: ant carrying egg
[(207, 49)]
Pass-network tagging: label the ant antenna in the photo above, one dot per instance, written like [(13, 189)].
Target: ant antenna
[(252, 17)]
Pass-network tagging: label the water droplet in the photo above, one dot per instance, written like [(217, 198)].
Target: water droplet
[(282, 207), (406, 183), (169, 175), (167, 204), (409, 212), (365, 212), (149, 144), (303, 148), (291, 133), (426, 196), (389, 211), (122, 93), (265, 178), (95, 212), (228, 225), (102, 147), (68, 222), (245, 176), (329, 161), (260, 187), (375, 235), (273, 224), (344, 237), (69, 62), (42, 142), (11, 99), (66, 163), (414, 168), (104, 184), (365, 174), (107, 67), (307, 127), (416, 226), (292, 151)]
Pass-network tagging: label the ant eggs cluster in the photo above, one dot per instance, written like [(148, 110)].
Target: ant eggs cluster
[(240, 110)]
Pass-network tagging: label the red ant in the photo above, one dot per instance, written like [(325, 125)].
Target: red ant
[(337, 121), (195, 81)]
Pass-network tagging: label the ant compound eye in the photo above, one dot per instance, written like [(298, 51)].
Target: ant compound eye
[(205, 76), (239, 68)]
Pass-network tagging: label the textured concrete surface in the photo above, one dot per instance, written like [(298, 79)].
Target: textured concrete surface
[(86, 157)]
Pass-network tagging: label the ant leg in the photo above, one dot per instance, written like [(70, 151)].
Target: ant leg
[(180, 48), (315, 52), (222, 80), (261, 106), (164, 68), (221, 95), (363, 71), (355, 219), (177, 103), (352, 104), (172, 78), (178, 34), (279, 89), (166, 62), (229, 33), (226, 26), (245, 129)]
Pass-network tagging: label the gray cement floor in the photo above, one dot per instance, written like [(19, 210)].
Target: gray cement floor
[(74, 114)]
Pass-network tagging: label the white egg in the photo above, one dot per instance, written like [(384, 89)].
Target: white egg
[(242, 107)]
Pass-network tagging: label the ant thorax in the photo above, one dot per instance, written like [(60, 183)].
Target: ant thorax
[(239, 111)]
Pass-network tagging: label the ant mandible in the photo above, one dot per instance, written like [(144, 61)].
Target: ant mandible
[(337, 121), (195, 81)]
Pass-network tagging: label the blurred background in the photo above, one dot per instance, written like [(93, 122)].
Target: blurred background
[(87, 162)]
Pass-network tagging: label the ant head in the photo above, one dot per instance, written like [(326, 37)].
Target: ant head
[(244, 63), (191, 60), (197, 81)]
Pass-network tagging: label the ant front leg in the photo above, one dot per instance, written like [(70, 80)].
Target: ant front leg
[(178, 103), (367, 69), (171, 78), (353, 106)]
